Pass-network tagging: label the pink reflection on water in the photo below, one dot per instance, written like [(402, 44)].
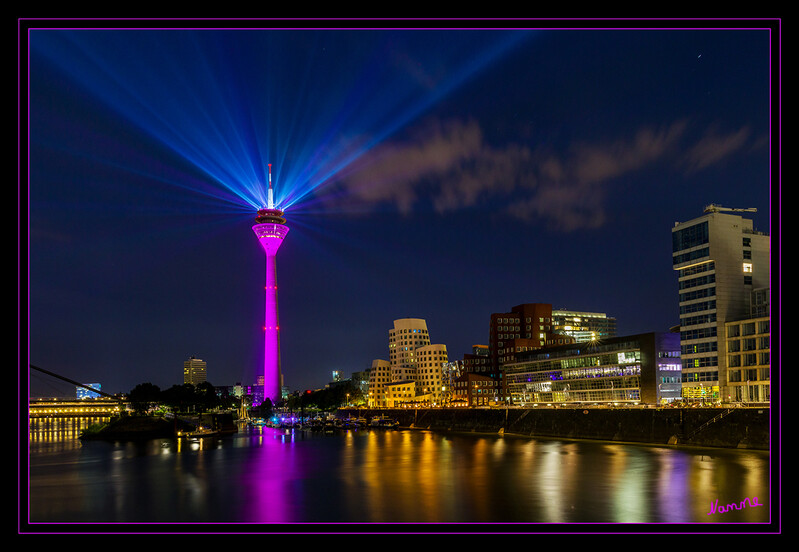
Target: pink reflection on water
[(269, 496)]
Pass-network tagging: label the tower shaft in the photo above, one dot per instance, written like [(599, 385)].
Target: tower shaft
[(270, 235)]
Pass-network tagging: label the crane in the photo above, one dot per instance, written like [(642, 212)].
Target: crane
[(718, 208)]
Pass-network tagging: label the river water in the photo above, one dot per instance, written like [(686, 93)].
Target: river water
[(262, 478)]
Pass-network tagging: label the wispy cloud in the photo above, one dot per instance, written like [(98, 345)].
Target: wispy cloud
[(451, 166), (714, 147)]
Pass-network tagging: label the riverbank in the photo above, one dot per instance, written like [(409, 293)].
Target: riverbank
[(707, 427), (142, 428)]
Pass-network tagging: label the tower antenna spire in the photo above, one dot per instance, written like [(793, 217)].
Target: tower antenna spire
[(270, 198)]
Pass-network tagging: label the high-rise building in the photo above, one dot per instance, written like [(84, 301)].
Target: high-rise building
[(194, 371), (407, 335), (271, 229), (720, 260), (379, 377), (430, 362), (412, 358), (526, 327), (583, 326)]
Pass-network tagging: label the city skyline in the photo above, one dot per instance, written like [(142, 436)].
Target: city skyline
[(443, 175)]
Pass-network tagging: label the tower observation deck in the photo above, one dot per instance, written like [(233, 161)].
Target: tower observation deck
[(270, 229)]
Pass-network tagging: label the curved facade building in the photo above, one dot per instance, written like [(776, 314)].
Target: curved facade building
[(407, 335), (379, 377), (430, 361)]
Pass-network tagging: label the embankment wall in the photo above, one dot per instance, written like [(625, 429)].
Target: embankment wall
[(736, 428)]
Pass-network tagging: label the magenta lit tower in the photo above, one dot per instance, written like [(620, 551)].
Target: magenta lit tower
[(270, 229)]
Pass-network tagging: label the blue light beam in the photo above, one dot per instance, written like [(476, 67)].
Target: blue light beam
[(230, 101)]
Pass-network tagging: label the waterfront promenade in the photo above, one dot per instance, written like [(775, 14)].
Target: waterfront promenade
[(715, 427)]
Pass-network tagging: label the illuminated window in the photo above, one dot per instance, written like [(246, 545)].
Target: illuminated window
[(747, 267)]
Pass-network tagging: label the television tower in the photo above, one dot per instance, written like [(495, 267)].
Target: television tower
[(270, 229)]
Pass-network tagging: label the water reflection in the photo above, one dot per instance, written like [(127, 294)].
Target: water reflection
[(264, 475), (49, 432)]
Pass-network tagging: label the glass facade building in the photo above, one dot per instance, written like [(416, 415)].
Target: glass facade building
[(720, 260), (639, 369), (83, 393), (583, 326)]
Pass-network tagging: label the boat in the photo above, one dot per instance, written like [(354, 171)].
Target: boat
[(353, 423), (383, 422), (197, 433), (332, 424)]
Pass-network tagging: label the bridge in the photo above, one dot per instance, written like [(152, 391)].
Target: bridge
[(43, 408), (109, 405)]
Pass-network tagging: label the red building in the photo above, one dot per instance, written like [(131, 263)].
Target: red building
[(526, 327), (477, 390)]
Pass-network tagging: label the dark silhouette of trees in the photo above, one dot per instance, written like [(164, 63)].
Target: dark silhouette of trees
[(144, 396), (328, 399), (179, 398)]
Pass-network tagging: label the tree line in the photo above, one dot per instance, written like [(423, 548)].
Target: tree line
[(203, 397), (187, 397)]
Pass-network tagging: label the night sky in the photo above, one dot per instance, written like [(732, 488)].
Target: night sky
[(440, 174)]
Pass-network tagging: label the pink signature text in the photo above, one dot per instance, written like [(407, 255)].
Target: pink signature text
[(716, 509)]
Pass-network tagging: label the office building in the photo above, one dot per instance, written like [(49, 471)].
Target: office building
[(748, 349), (478, 361), (720, 260), (399, 393), (407, 335), (83, 393), (412, 358), (526, 327), (638, 369), (194, 371), (475, 390), (583, 326), (379, 378), (430, 377)]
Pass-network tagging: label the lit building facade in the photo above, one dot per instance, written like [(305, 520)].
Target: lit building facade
[(748, 349), (430, 363), (401, 393), (638, 369), (452, 370), (476, 390), (83, 393), (583, 326), (379, 377), (526, 327), (194, 371), (412, 358), (407, 335), (720, 260), (478, 361)]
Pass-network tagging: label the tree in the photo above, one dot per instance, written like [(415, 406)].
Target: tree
[(205, 397), (144, 396), (180, 398)]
